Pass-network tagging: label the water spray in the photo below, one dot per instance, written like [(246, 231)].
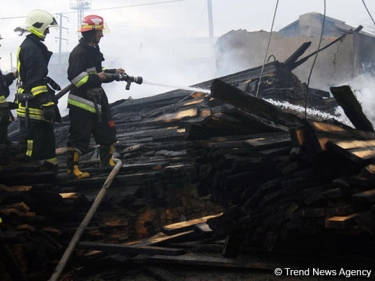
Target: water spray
[(193, 89), (140, 80)]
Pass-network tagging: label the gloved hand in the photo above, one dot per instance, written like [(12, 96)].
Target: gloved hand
[(118, 76), (48, 106), (49, 113), (110, 77)]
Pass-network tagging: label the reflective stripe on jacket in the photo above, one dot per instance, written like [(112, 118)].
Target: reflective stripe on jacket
[(83, 103)]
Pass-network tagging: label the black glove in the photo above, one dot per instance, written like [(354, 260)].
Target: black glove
[(49, 113), (110, 77)]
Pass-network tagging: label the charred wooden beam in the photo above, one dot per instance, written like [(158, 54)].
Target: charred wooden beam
[(290, 62), (352, 108), (148, 250), (253, 105)]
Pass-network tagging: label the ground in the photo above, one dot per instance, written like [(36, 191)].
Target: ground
[(183, 273), (258, 268)]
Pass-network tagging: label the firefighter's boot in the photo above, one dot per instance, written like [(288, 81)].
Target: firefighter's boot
[(106, 153), (72, 165)]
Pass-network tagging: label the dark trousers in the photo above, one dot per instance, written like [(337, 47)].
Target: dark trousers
[(37, 142), (4, 123), (84, 123)]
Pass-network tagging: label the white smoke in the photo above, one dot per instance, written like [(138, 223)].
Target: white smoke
[(363, 87)]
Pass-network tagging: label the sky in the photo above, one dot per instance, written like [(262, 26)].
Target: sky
[(166, 41)]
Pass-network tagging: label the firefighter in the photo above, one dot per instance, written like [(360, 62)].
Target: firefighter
[(5, 115), (36, 110), (89, 111)]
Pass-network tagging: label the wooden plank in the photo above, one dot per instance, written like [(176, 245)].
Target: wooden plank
[(176, 116), (251, 104), (161, 237), (339, 131), (210, 261), (353, 144), (155, 133), (54, 231), (71, 195), (21, 206), (186, 225), (275, 152), (227, 144), (25, 226), (255, 123), (241, 137), (367, 196), (341, 210), (360, 151), (336, 193), (341, 222), (268, 142), (9, 211), (314, 212), (174, 107), (145, 166), (289, 62), (132, 249), (352, 108), (369, 172), (131, 148), (18, 188), (297, 136)]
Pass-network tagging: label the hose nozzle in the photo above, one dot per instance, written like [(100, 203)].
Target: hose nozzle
[(136, 79), (130, 79), (125, 77)]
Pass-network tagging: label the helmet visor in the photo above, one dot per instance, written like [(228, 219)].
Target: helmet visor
[(53, 23)]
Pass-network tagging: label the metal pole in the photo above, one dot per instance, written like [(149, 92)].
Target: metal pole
[(11, 61), (60, 36), (210, 27), (77, 235)]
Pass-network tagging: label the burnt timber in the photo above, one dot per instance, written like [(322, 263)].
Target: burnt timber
[(227, 167)]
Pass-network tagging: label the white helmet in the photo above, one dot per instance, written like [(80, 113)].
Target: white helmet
[(38, 21)]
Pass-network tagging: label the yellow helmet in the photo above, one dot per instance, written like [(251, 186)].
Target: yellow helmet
[(38, 21)]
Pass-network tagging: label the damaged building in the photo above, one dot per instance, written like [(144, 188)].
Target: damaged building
[(351, 56)]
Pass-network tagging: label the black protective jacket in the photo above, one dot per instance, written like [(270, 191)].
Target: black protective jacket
[(33, 58), (85, 62)]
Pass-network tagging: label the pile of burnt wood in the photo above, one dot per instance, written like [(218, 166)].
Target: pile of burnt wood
[(276, 173), (307, 181)]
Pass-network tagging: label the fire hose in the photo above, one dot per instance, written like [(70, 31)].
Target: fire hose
[(115, 76), (77, 235)]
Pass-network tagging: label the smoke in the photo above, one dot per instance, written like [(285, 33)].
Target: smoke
[(363, 87), (168, 61)]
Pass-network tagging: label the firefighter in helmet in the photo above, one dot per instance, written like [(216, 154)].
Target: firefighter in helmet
[(89, 111), (5, 115), (37, 110)]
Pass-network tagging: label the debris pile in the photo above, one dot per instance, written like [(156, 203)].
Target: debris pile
[(270, 174), (314, 177)]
